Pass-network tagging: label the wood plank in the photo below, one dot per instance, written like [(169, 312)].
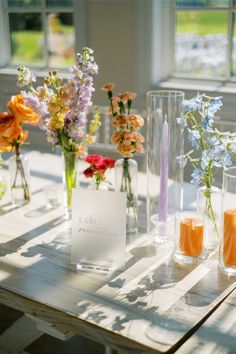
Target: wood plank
[(217, 334), (19, 335)]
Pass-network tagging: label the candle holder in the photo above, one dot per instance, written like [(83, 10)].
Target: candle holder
[(190, 243), (165, 141), (227, 254)]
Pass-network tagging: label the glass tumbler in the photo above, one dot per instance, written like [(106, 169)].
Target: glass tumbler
[(190, 243), (227, 254)]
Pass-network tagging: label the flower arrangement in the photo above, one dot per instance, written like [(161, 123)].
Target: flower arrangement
[(63, 103), (98, 167), (127, 138), (12, 135), (213, 147)]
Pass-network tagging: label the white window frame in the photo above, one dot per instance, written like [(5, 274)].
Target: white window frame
[(77, 10), (164, 75)]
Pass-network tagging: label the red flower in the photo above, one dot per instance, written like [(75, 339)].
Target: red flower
[(108, 162), (94, 159), (88, 172)]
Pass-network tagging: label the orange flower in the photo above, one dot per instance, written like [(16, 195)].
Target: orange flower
[(119, 120), (135, 121), (126, 150), (108, 87), (21, 111), (125, 96), (10, 131), (116, 137)]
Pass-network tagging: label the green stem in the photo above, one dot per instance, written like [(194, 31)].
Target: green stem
[(126, 186), (21, 171), (70, 162)]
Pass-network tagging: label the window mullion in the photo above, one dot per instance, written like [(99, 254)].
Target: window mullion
[(45, 33), (230, 42)]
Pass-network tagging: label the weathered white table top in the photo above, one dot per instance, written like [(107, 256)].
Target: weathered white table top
[(152, 306)]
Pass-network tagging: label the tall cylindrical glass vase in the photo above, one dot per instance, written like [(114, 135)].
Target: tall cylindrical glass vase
[(227, 255), (165, 141)]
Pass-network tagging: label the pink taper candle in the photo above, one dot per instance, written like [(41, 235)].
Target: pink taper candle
[(163, 201)]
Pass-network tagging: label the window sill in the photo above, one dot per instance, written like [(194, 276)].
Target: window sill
[(199, 85)]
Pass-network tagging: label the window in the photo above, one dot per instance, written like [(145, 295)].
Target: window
[(205, 39), (39, 32)]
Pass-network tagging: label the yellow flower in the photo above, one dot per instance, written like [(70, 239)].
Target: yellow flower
[(90, 139), (56, 121)]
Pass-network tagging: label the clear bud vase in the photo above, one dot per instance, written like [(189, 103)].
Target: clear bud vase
[(102, 186), (126, 171), (70, 179), (20, 179), (209, 206)]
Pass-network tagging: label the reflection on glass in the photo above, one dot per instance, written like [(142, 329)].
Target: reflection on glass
[(201, 43), (202, 3), (26, 38), (61, 39), (24, 3), (59, 3)]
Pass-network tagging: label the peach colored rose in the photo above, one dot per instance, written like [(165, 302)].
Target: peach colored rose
[(135, 121), (139, 148), (115, 104), (21, 111), (116, 137), (119, 120), (126, 150), (108, 87), (10, 130), (125, 96), (137, 137)]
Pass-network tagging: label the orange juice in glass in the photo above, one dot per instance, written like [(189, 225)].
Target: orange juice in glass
[(190, 243), (227, 255)]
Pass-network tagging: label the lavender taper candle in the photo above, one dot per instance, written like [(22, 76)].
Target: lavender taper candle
[(163, 201)]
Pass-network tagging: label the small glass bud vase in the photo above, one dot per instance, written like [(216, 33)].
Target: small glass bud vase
[(227, 254), (126, 171), (20, 179), (209, 205), (102, 186), (190, 245), (70, 179)]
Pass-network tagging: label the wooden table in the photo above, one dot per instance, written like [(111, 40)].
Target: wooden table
[(153, 306)]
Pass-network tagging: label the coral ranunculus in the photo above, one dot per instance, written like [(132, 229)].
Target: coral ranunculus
[(22, 112), (10, 131)]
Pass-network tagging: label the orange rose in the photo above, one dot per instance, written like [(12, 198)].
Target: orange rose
[(108, 87), (119, 120), (10, 131), (135, 121), (125, 150), (21, 111)]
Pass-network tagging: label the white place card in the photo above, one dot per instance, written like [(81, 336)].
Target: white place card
[(98, 229)]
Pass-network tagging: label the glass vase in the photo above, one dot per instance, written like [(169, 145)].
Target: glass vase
[(70, 178), (126, 171), (3, 187), (164, 141), (102, 186), (20, 179), (227, 254), (209, 205)]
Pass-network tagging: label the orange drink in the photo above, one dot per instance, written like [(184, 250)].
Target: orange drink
[(229, 238), (191, 236)]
